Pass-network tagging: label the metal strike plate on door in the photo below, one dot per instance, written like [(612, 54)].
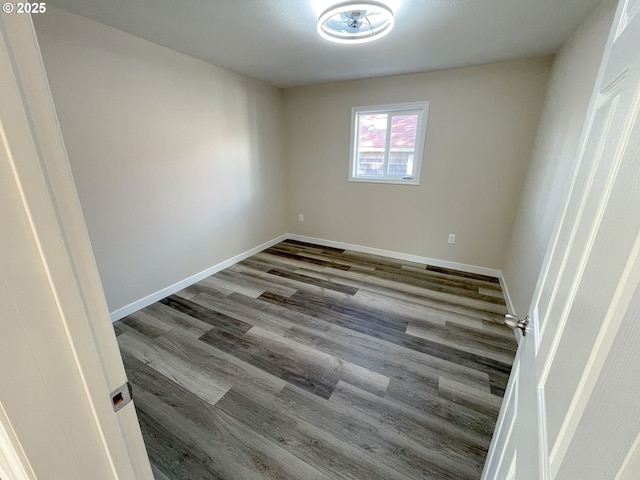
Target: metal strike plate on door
[(514, 322), (121, 396)]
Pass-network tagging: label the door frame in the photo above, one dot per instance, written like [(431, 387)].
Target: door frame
[(31, 144), (13, 461)]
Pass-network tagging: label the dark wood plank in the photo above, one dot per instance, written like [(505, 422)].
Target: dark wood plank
[(175, 320), (120, 328), (322, 248), (292, 283), (218, 320), (314, 281), (258, 313), (378, 260), (303, 259), (459, 273), (170, 455), (300, 373), (335, 257), (146, 324), (475, 283), (336, 313)]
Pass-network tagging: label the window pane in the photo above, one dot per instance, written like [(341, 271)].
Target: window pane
[(386, 144), (372, 137), (402, 145), (403, 131), (400, 163)]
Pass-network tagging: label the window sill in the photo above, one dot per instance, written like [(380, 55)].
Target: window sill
[(392, 181)]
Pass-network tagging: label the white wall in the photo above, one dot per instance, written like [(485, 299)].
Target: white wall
[(554, 159), (178, 163), (481, 128)]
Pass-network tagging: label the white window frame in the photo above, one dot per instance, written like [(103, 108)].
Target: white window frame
[(421, 108)]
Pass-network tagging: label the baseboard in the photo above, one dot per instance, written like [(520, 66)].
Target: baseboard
[(505, 292), (170, 290), (154, 297), (510, 308), (492, 272)]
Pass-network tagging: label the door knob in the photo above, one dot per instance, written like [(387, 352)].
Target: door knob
[(514, 322)]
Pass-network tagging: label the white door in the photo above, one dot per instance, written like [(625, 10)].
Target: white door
[(572, 409), (59, 360)]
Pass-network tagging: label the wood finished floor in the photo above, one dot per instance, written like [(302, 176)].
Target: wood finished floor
[(308, 362)]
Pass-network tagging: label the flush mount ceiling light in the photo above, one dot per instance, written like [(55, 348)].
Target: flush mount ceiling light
[(355, 22)]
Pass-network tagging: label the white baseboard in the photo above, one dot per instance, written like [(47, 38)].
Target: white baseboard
[(505, 291), (170, 290), (159, 295), (510, 308), (492, 272)]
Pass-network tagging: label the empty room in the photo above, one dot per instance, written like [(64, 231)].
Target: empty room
[(310, 239)]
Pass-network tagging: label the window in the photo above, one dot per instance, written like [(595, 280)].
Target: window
[(386, 143)]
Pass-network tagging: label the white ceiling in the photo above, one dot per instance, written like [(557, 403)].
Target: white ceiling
[(276, 40)]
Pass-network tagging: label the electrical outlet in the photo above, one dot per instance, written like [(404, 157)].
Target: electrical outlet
[(452, 238), (301, 217)]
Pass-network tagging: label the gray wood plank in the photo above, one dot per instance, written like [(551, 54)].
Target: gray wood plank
[(176, 320), (477, 283), (396, 451), (454, 443), (304, 374), (473, 398), (363, 281), (146, 324), (392, 332), (338, 459), (356, 375), (158, 474), (170, 454), (200, 382), (387, 358), (234, 274), (233, 307), (294, 283), (231, 450), (327, 256), (120, 328), (266, 315), (216, 364), (468, 345), (429, 402)]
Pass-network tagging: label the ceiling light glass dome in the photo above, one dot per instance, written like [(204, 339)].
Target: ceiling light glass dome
[(355, 22)]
